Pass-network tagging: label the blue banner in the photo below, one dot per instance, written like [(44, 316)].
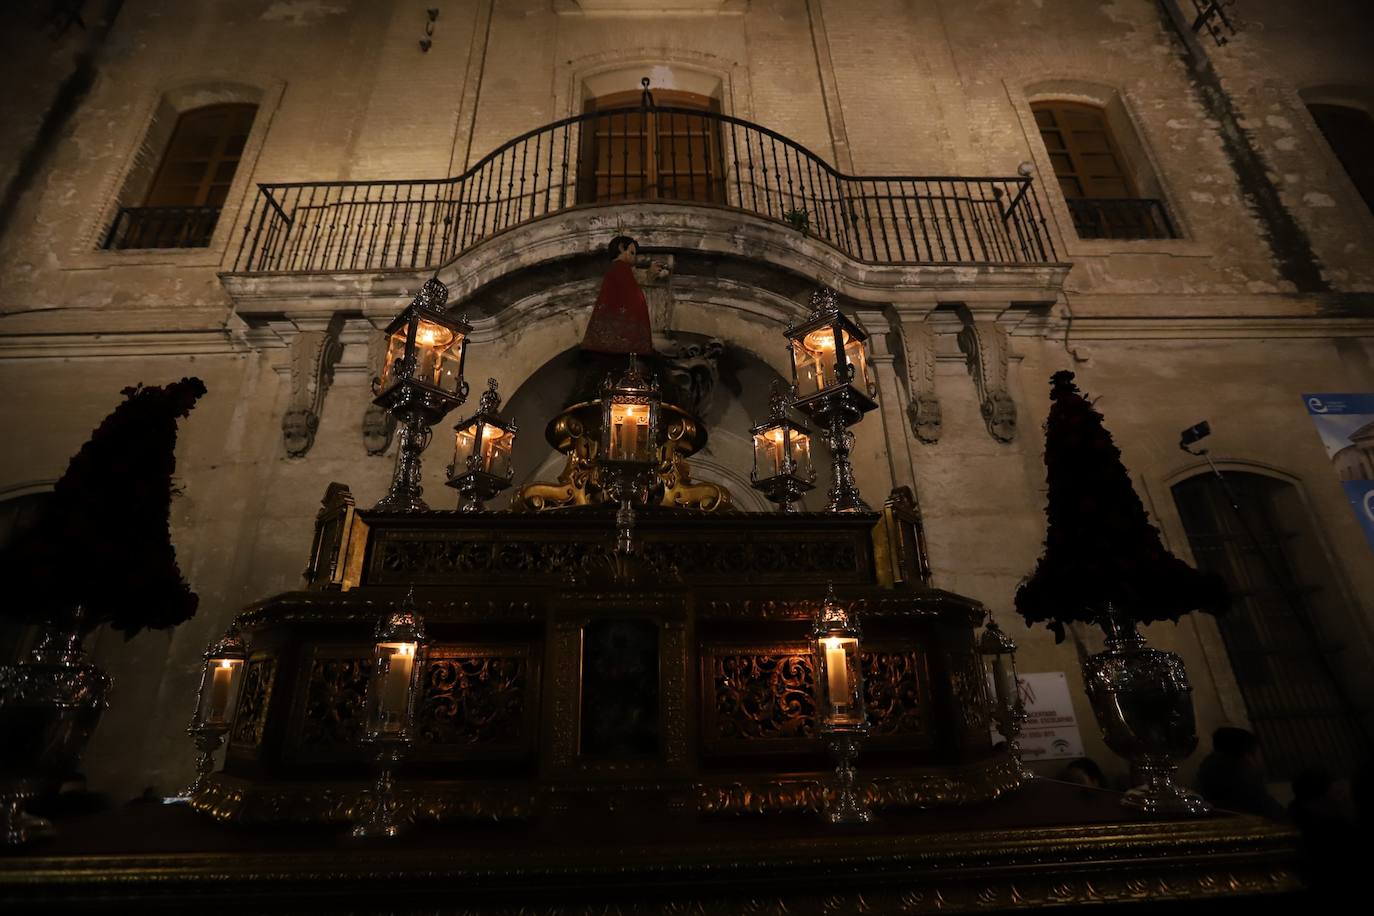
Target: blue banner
[(1345, 423)]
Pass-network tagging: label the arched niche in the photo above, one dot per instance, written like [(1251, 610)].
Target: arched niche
[(739, 401)]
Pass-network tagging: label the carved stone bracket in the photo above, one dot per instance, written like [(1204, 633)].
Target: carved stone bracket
[(918, 345), (313, 353), (378, 425), (986, 349)]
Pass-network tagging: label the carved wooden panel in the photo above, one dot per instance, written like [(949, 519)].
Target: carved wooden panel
[(758, 698), (761, 699), (419, 556), (482, 700), (251, 717), (330, 716)]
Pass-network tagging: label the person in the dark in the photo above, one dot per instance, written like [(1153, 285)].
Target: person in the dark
[(1232, 776), (1085, 772)]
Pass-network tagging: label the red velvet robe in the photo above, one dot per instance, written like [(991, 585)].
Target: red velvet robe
[(620, 319)]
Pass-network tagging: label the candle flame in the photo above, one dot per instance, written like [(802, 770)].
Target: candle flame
[(225, 663)]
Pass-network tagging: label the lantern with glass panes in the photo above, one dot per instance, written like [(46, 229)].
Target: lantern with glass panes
[(421, 381), (996, 646), (831, 385), (216, 701), (398, 656), (482, 447), (840, 712), (782, 456), (631, 414)]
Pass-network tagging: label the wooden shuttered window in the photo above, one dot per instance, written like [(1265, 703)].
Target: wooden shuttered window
[(1081, 150), (201, 158), (650, 154), (1092, 174), (182, 205)]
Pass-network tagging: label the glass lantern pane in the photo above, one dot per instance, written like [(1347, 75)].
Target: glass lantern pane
[(839, 681), (629, 432), (432, 342), (769, 454), (818, 348), (395, 352), (395, 663), (801, 453), (858, 358), (498, 445), (219, 695), (449, 373), (464, 442)]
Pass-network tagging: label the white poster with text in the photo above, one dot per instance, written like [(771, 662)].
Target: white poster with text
[(1051, 729)]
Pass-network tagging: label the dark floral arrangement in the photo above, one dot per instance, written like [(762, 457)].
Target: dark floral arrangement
[(103, 542), (1100, 547)]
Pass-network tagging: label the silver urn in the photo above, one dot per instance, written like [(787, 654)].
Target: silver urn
[(49, 706), (1144, 706)]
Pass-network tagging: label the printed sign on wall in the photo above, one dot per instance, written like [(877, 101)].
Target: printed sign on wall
[(1051, 729), (1345, 423)]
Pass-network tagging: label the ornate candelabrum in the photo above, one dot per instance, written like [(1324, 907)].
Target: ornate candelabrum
[(840, 704), (421, 381), (831, 385), (782, 456), (215, 702), (631, 409), (1011, 710), (397, 668), (482, 448)]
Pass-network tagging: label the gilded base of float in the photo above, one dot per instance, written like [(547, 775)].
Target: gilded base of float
[(233, 799), (1021, 854)]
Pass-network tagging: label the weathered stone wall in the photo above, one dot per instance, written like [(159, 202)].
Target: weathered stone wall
[(1167, 332)]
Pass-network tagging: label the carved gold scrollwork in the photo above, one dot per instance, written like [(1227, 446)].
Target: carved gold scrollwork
[(474, 699)]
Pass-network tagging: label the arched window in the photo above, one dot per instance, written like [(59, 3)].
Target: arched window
[(651, 154), (1349, 132), (1284, 633), (1095, 176), (183, 200)]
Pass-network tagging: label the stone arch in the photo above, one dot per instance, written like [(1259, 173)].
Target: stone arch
[(667, 68)]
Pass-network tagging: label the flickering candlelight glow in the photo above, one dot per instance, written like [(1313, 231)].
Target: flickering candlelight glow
[(396, 687), (837, 671), (629, 432)]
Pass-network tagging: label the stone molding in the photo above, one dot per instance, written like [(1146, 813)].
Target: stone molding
[(918, 348), (986, 348), (312, 351)]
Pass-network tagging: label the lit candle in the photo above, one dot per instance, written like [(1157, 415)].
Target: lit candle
[(836, 672), (397, 685), (779, 457), (219, 690)]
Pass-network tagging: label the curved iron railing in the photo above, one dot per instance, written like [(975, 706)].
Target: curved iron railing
[(641, 154)]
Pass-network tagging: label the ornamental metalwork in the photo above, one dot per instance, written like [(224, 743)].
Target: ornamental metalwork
[(474, 699), (334, 702), (251, 717)]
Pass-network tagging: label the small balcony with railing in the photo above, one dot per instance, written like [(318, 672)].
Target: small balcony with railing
[(642, 155)]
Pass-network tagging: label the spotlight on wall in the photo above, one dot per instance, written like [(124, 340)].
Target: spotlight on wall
[(1193, 435)]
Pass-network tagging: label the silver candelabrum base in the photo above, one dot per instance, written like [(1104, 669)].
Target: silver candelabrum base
[(384, 815), (845, 806)]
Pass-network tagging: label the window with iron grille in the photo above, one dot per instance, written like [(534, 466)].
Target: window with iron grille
[(1286, 631), (1350, 134), (650, 153), (1102, 197), (188, 190)]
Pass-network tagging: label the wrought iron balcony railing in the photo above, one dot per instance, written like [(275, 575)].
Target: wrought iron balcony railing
[(1120, 218), (162, 227), (642, 154)]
